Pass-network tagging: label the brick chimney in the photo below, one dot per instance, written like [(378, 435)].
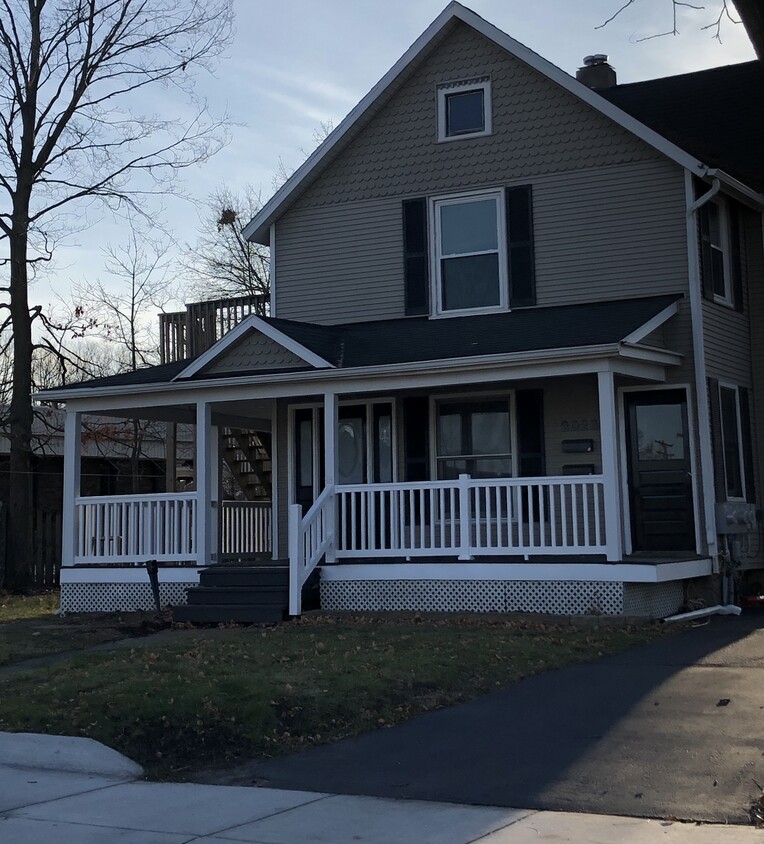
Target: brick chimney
[(597, 72)]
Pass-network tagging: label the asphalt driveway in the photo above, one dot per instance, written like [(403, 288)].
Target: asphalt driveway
[(675, 728)]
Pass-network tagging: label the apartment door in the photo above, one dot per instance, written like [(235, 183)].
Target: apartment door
[(660, 472)]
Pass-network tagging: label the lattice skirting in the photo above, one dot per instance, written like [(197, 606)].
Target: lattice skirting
[(119, 597), (568, 597)]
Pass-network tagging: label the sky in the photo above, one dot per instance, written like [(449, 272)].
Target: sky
[(297, 63)]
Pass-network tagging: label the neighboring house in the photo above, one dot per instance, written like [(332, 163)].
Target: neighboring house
[(510, 362)]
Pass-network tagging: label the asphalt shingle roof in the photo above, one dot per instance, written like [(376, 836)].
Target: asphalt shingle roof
[(717, 115), (365, 344)]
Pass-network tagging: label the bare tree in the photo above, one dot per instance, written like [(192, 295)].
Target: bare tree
[(223, 263), (751, 14), (77, 76)]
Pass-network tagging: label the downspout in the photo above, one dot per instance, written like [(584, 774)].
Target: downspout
[(699, 360)]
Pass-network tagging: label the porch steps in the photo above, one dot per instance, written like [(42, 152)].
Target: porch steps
[(238, 594), (248, 456)]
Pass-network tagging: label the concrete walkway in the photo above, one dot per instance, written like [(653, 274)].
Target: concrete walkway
[(75, 791)]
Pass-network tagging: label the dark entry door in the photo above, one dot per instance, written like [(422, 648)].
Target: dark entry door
[(660, 479)]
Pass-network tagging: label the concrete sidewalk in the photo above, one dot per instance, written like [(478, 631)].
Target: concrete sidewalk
[(75, 791)]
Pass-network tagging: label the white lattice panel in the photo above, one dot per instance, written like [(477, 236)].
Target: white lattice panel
[(653, 600), (119, 597), (559, 598)]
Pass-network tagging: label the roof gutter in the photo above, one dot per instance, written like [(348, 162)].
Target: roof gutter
[(737, 187), (467, 363)]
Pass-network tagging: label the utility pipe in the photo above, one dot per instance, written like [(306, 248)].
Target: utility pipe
[(719, 609)]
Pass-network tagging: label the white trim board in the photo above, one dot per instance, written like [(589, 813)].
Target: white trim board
[(608, 572), (252, 323), (127, 574), (258, 229)]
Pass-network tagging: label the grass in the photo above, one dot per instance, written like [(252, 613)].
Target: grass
[(233, 694), (29, 628)]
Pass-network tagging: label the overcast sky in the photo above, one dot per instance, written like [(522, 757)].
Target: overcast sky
[(296, 63)]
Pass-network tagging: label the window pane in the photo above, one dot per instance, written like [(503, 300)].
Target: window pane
[(449, 470), (717, 271), (493, 467), (384, 446), (464, 112), (660, 432), (470, 282), (714, 223), (449, 433), (351, 452), (305, 469), (468, 227), (731, 443), (490, 432)]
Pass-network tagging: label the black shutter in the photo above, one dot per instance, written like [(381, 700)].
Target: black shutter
[(521, 269), (717, 442), (415, 249), (706, 271), (747, 444), (416, 427), (736, 261), (529, 405)]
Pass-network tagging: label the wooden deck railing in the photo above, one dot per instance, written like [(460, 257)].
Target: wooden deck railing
[(186, 334)]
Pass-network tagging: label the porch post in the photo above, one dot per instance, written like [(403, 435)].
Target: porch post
[(203, 471), (72, 490), (330, 466), (609, 448)]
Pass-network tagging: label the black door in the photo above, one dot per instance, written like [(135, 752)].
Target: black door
[(660, 480)]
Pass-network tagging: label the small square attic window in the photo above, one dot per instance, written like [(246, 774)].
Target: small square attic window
[(464, 109)]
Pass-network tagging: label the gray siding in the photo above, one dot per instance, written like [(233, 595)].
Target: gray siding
[(571, 412), (255, 351), (608, 209)]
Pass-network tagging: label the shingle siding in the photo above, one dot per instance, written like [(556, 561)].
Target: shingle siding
[(254, 351), (608, 209)]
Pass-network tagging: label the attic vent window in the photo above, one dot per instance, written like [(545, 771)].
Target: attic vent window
[(464, 109)]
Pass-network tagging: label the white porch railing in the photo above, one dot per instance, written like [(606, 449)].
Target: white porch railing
[(469, 518), (310, 537), (245, 527), (135, 528)]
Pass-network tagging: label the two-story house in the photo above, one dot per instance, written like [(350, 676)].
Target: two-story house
[(512, 360)]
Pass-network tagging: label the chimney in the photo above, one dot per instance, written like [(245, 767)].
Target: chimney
[(597, 72)]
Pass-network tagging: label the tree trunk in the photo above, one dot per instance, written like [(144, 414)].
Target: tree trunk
[(20, 522)]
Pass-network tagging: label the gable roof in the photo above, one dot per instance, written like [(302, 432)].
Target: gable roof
[(415, 339), (258, 229), (716, 114)]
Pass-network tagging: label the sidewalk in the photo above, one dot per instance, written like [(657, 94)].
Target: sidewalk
[(76, 791)]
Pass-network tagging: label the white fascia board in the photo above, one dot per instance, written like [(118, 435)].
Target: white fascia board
[(737, 187), (252, 323), (656, 322), (258, 229), (608, 572), (546, 364)]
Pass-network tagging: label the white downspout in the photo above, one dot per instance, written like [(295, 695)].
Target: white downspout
[(699, 360)]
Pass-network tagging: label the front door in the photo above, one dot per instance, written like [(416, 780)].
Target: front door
[(660, 473)]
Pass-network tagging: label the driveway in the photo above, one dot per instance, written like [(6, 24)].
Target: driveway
[(675, 728)]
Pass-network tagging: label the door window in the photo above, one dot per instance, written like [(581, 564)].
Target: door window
[(660, 433)]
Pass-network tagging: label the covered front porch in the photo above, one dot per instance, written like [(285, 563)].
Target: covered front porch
[(515, 468)]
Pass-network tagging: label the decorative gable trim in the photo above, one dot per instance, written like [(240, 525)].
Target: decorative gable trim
[(252, 323), (657, 321), (258, 228)]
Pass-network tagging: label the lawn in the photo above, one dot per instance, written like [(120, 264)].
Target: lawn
[(200, 701), (29, 628)]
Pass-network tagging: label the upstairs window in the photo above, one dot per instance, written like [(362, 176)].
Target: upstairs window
[(732, 442), (464, 110), (718, 236), (469, 252), (721, 256)]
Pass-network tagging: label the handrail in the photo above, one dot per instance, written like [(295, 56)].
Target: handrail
[(310, 537), (143, 496)]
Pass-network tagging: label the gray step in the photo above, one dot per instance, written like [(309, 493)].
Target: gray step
[(225, 613), (247, 576), (209, 595)]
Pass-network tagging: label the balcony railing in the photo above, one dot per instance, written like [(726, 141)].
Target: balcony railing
[(186, 334)]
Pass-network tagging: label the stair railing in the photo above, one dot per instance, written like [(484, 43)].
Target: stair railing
[(310, 537)]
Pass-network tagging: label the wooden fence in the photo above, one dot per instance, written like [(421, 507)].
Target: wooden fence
[(46, 546)]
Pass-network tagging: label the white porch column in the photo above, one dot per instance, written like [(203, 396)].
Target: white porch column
[(330, 466), (204, 470), (276, 514), (609, 448), (72, 471)]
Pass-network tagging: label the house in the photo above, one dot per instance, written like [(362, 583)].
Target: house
[(511, 362)]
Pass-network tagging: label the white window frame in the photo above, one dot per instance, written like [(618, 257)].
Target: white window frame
[(445, 398), (464, 87), (740, 456), (436, 281), (724, 248)]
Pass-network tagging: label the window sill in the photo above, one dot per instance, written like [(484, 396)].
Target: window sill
[(725, 303), (499, 309), (467, 136)]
